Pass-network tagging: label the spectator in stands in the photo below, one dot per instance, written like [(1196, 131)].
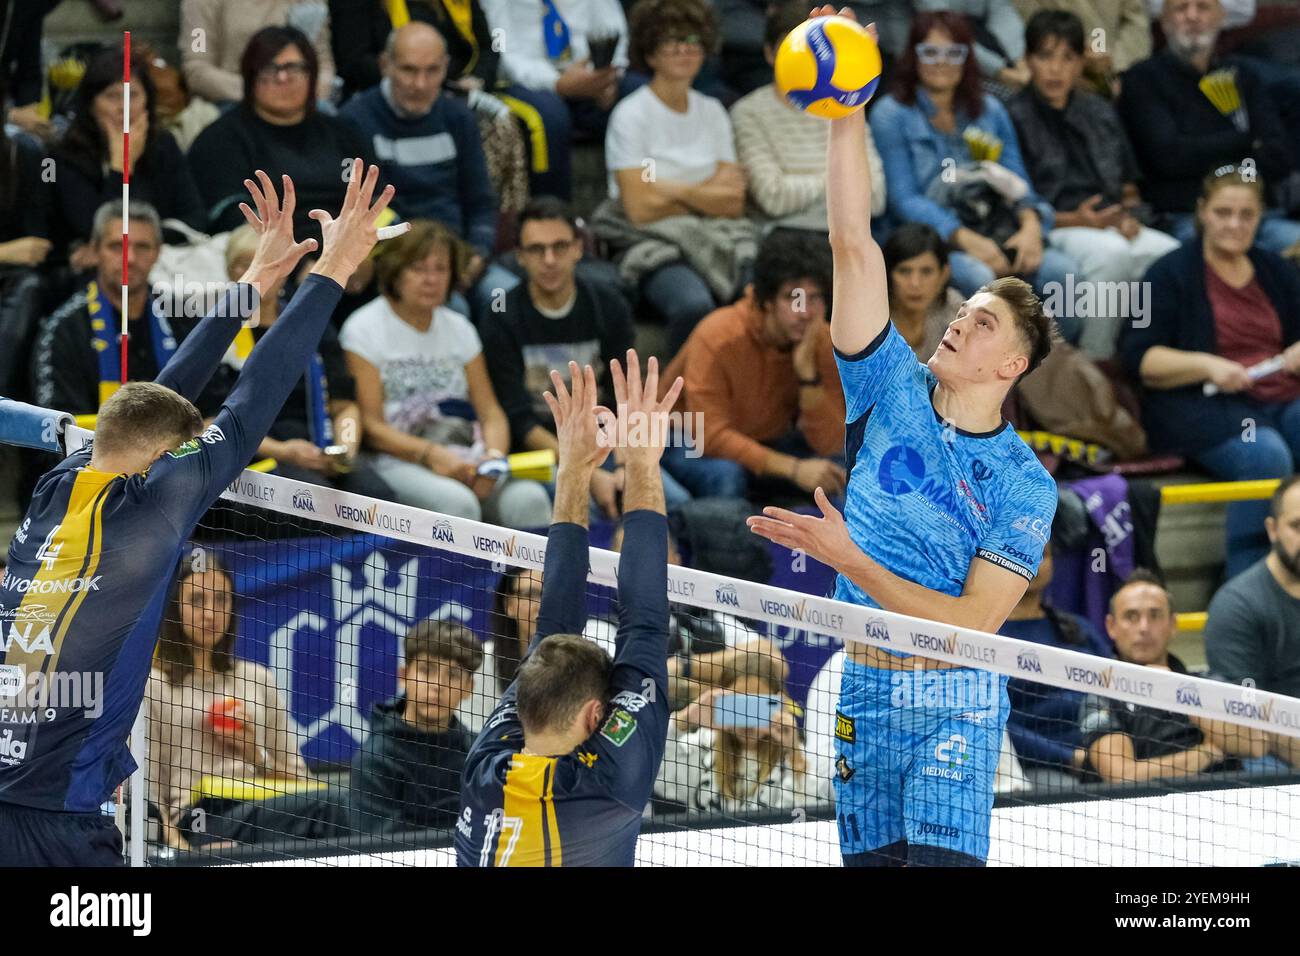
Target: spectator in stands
[(1253, 630), (716, 765), (761, 381), (1132, 743), (312, 418), (1217, 306), (1044, 721), (999, 45), (1118, 32), (215, 34), (361, 28), (407, 773), (21, 70), (1080, 161), (938, 114), (782, 150), (1181, 135), (429, 143), (210, 714), (276, 128), (560, 82), (430, 414), (89, 160), (670, 154), (921, 303), (24, 244), (77, 360), (549, 320)]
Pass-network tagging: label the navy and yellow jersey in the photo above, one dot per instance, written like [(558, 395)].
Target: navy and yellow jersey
[(585, 808), (91, 564)]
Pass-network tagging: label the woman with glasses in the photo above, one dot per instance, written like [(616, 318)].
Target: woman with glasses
[(430, 414), (1220, 305), (276, 128), (212, 68), (999, 45), (931, 130), (670, 153)]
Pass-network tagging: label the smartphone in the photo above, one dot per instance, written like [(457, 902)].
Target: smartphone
[(601, 49), (745, 710)]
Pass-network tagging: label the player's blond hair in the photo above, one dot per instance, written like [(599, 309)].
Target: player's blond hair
[(139, 416)]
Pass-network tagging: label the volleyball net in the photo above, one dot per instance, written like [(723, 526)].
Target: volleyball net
[(326, 659)]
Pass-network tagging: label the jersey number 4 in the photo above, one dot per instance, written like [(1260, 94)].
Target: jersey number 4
[(49, 551)]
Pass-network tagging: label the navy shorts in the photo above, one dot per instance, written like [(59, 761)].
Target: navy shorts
[(31, 837), (916, 753)]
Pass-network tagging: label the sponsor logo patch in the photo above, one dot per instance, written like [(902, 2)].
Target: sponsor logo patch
[(845, 729), (618, 727)]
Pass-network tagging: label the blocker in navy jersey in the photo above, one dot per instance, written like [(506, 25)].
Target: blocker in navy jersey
[(924, 499), (91, 565), (583, 809)]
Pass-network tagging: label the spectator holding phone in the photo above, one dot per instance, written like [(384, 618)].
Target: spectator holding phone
[(737, 748)]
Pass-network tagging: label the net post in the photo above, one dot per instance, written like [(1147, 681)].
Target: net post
[(139, 809), (126, 193)]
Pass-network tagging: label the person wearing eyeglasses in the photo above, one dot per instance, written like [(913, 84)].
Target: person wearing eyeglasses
[(670, 155), (562, 64), (999, 46), (1189, 111), (278, 128), (938, 122), (213, 69), (1219, 305)]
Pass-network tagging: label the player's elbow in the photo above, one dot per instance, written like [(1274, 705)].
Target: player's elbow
[(851, 239)]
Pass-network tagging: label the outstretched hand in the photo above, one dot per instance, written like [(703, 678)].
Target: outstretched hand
[(578, 419), (828, 10), (825, 539), (348, 239), (277, 254), (642, 426)]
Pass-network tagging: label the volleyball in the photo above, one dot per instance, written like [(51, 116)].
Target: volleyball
[(828, 66)]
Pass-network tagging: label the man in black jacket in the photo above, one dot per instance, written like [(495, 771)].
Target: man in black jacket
[(1181, 133)]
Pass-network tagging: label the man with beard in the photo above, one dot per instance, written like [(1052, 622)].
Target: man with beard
[(1253, 631), (1188, 112)]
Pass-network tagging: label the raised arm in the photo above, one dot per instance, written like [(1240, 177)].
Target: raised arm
[(861, 307)]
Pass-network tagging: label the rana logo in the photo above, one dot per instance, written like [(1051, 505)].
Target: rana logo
[(442, 532), (1188, 696), (726, 594), (1028, 661), (302, 500), (877, 629)]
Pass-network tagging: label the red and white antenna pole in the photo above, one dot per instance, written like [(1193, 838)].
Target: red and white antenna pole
[(126, 190)]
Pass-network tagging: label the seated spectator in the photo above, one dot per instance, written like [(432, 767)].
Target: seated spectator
[(361, 29), (89, 159), (788, 430), (1219, 305), (1122, 27), (407, 773), (1253, 630), (20, 65), (213, 68), (1180, 135), (210, 714), (1131, 743), (921, 303), (24, 245), (938, 114), (671, 157), (712, 766), (1044, 720), (78, 357), (428, 409), (551, 319), (312, 419), (1081, 162), (999, 46), (782, 150), (429, 144), (276, 128), (551, 80)]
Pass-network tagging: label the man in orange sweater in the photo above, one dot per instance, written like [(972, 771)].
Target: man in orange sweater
[(761, 381)]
